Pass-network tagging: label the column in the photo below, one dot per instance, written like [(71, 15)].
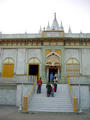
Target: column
[(43, 66), (62, 68)]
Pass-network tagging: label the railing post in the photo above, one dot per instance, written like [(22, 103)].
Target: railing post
[(25, 104), (75, 100), (26, 98), (75, 104)]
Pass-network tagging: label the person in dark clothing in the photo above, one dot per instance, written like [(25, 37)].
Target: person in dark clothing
[(48, 86), (52, 90), (55, 84), (39, 83)]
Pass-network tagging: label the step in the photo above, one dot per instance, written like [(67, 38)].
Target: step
[(61, 102)]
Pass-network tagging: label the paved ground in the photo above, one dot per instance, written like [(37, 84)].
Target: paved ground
[(11, 113)]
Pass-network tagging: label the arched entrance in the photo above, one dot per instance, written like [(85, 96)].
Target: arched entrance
[(53, 65), (8, 68), (33, 67)]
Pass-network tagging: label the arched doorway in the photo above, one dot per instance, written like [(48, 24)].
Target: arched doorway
[(33, 67), (8, 68), (72, 66), (53, 65)]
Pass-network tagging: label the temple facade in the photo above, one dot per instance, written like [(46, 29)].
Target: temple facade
[(49, 51)]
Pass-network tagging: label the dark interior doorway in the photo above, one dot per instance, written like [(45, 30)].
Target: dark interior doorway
[(34, 70), (53, 71)]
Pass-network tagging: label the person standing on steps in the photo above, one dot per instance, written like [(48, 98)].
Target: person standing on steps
[(52, 90), (39, 83), (55, 84), (48, 86), (56, 75), (51, 77)]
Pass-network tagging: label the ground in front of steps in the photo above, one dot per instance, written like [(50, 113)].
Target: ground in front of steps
[(11, 113)]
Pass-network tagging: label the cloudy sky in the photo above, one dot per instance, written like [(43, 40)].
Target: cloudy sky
[(19, 16)]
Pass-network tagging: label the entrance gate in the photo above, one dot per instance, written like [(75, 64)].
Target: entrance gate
[(53, 65)]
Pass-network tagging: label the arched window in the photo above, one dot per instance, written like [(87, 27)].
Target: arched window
[(73, 66)]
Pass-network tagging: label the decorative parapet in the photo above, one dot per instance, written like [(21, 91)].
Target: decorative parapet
[(53, 33)]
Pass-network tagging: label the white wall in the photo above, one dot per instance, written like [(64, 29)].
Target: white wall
[(7, 96), (20, 69), (84, 95), (86, 61), (22, 90)]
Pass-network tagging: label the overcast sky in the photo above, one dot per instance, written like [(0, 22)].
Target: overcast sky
[(18, 16)]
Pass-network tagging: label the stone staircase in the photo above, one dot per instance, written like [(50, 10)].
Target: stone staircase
[(61, 102)]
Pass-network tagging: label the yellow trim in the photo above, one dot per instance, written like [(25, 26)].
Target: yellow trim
[(21, 74), (58, 52), (68, 70), (80, 76), (32, 88), (48, 52), (75, 100), (42, 33), (63, 34), (26, 98)]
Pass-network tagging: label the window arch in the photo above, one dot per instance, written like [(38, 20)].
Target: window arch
[(34, 61), (8, 61), (73, 66)]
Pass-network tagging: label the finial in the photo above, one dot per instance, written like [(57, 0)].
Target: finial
[(81, 31), (69, 30), (61, 23), (61, 27), (25, 31), (44, 28), (40, 30), (48, 27), (55, 16)]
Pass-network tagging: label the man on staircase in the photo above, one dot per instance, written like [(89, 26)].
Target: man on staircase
[(39, 83)]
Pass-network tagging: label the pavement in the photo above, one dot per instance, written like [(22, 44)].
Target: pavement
[(11, 113)]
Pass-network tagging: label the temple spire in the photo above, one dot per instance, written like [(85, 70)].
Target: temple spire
[(61, 26), (69, 30), (55, 25), (48, 26), (54, 16), (40, 30)]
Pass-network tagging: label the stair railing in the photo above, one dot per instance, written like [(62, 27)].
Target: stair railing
[(28, 97), (75, 100)]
